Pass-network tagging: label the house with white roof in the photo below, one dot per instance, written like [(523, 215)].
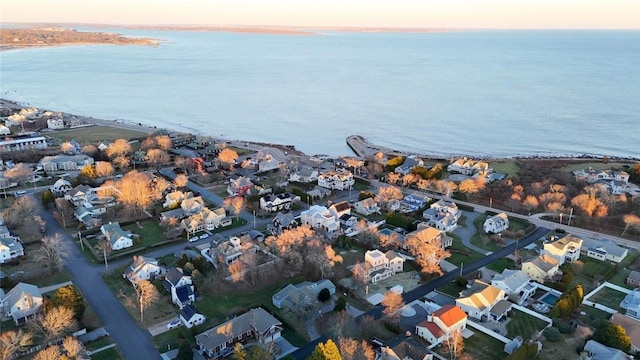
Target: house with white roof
[(335, 180), (378, 266), (541, 268), (22, 302), (440, 324), (366, 207), (61, 186), (516, 284), (319, 217), (479, 299), (443, 215), (496, 224), (566, 248), (603, 250), (598, 351), (143, 268), (117, 237), (256, 325)]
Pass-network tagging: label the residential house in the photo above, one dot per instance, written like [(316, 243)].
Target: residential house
[(23, 142), (180, 286), (176, 197), (443, 215), (403, 348), (603, 250), (283, 221), (233, 249), (352, 164), (206, 219), (22, 302), (591, 175), (631, 303), (10, 247), (496, 224), (366, 207), (239, 186), (319, 217), (318, 193), (4, 131), (256, 325), (632, 326), (466, 166), (304, 175), (516, 284), (441, 323), (335, 180), (566, 248), (407, 166), (430, 234), (55, 123), (513, 345), (192, 205), (541, 268), (61, 186), (414, 202), (378, 266), (339, 209), (633, 279), (118, 238), (479, 299), (299, 295), (277, 202), (143, 268), (79, 194), (598, 351), (190, 316), (65, 162)]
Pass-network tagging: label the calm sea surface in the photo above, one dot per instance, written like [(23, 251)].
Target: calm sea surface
[(486, 93)]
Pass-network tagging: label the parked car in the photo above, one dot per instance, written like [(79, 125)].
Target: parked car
[(204, 236), (194, 238), (174, 324)]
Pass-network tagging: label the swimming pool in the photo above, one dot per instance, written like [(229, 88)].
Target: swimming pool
[(549, 298)]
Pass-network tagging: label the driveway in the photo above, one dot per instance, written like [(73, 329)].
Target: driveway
[(466, 233)]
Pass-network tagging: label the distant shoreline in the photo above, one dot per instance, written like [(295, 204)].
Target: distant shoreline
[(358, 144)]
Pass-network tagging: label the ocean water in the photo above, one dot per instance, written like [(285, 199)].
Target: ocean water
[(481, 93)]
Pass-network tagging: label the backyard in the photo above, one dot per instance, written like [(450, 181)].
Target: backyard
[(508, 168), (522, 324), (483, 347), (608, 297)]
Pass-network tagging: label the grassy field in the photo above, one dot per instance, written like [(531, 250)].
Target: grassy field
[(595, 165), (93, 134), (608, 297), (523, 324), (620, 277), (149, 231), (109, 354), (483, 347), (501, 264), (508, 168), (592, 315), (462, 254)]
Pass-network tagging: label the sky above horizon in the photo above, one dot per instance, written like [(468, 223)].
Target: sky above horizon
[(496, 14)]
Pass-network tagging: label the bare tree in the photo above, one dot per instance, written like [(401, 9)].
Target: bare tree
[(387, 194), (157, 158), (631, 221), (21, 173), (392, 303), (12, 342), (146, 294), (135, 192), (67, 148), (50, 353), (90, 149), (235, 205), (53, 252), (65, 210), (148, 143), (393, 178), (56, 322), (104, 169), (351, 349), (163, 142), (531, 203), (390, 241), (105, 246), (72, 346), (118, 148), (590, 205), (454, 343), (470, 186), (427, 251), (122, 162), (180, 181), (228, 156)]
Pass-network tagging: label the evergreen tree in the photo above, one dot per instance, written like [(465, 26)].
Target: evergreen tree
[(612, 335)]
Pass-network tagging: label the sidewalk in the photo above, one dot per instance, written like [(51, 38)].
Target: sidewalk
[(55, 287)]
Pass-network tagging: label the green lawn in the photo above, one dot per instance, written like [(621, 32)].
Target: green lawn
[(516, 224), (462, 254), (608, 297), (595, 165), (501, 264), (99, 343), (109, 354), (53, 279), (620, 276), (149, 231), (505, 167), (96, 134), (523, 324), (451, 289), (592, 315), (483, 347)]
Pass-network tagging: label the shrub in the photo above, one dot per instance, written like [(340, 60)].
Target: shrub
[(341, 304), (552, 334), (324, 295)]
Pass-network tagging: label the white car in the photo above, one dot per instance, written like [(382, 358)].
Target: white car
[(204, 236), (193, 239), (20, 192), (174, 324)]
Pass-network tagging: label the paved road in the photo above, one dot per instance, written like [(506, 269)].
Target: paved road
[(133, 342), (466, 233)]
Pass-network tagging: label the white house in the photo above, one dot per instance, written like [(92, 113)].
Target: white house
[(55, 123), (61, 186), (192, 205), (22, 302), (478, 300), (79, 194), (496, 224), (413, 202), (441, 323), (319, 217), (366, 207), (304, 175), (335, 180), (180, 286), (468, 167), (516, 284), (190, 316), (443, 215), (10, 248), (176, 197), (256, 325), (276, 202), (541, 268), (378, 266), (407, 166), (566, 248), (65, 162), (206, 219), (143, 268), (340, 208), (603, 250), (118, 238)]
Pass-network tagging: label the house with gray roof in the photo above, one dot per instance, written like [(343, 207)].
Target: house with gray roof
[(634, 278), (299, 295), (256, 325), (603, 249), (22, 302), (496, 224), (190, 316), (598, 351), (117, 237), (541, 268), (516, 284), (65, 162), (143, 268)]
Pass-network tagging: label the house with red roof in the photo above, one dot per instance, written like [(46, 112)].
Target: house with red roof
[(441, 323)]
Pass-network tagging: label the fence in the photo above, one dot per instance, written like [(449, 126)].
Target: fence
[(489, 332)]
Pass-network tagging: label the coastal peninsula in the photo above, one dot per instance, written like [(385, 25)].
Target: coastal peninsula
[(16, 38)]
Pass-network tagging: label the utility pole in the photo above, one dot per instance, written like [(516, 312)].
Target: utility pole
[(254, 219), (461, 267), (570, 215)]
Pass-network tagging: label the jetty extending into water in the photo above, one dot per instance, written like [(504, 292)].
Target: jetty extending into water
[(364, 149)]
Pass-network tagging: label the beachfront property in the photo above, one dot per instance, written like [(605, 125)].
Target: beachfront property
[(319, 217), (277, 202), (366, 207), (413, 202), (296, 297), (334, 180), (563, 249), (443, 215), (516, 284), (65, 162), (256, 325), (469, 167), (440, 324), (23, 142), (4, 131), (55, 123), (496, 224), (378, 266), (348, 163), (143, 268), (21, 302), (603, 250), (541, 268), (480, 299), (616, 181), (407, 166), (10, 246)]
